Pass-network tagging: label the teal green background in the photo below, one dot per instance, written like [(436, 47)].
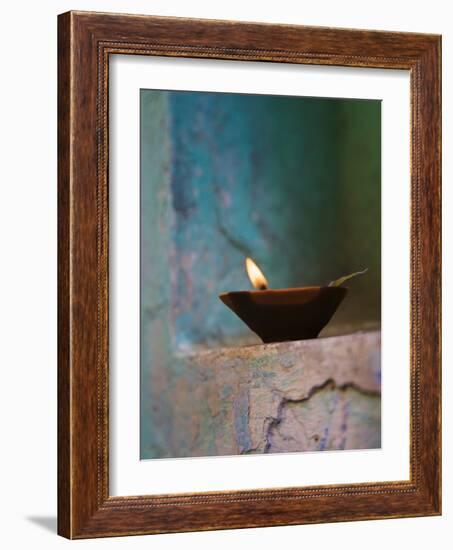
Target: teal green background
[(293, 182)]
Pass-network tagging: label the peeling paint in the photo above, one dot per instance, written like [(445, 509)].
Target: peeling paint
[(241, 420), (248, 400)]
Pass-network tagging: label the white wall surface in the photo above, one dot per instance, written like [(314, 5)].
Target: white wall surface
[(28, 215)]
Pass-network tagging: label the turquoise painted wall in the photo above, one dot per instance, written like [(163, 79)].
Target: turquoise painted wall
[(292, 182)]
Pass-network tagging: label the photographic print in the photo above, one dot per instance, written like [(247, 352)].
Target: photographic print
[(260, 274)]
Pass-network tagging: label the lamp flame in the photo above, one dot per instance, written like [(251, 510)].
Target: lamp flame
[(255, 275)]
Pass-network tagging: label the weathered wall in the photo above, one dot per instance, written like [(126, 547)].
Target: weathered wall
[(311, 395), (292, 182)]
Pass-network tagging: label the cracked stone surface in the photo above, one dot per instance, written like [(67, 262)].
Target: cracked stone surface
[(330, 418), (312, 395)]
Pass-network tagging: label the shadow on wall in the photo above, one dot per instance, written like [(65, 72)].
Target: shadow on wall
[(48, 523)]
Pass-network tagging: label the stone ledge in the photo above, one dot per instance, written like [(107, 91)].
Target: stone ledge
[(311, 395)]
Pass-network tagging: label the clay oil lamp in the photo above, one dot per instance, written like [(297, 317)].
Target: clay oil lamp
[(288, 313)]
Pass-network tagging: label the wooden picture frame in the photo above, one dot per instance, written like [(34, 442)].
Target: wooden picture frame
[(85, 42)]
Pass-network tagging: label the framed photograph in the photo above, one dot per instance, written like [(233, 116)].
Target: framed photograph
[(249, 275)]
